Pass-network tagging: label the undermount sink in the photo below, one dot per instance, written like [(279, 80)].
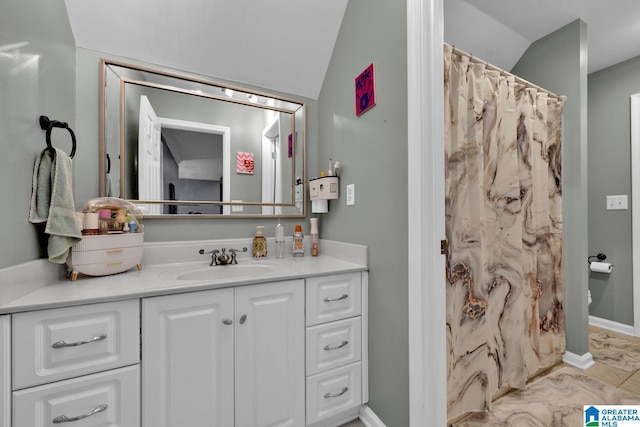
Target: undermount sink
[(223, 272)]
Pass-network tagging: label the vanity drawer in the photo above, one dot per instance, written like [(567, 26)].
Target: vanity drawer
[(103, 255), (333, 298), (106, 256), (333, 344), (109, 398), (333, 392), (56, 344)]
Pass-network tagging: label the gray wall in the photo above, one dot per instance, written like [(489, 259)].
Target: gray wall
[(38, 78), (558, 62), (373, 151), (610, 173)]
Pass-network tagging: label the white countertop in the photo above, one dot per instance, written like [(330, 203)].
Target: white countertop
[(40, 284)]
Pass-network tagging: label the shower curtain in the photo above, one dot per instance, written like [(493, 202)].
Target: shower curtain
[(505, 316)]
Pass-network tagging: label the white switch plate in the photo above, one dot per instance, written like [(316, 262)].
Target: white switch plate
[(236, 208), (617, 202), (351, 194)]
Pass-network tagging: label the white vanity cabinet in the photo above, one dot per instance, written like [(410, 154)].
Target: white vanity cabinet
[(335, 345), (5, 371), (225, 357), (77, 364)]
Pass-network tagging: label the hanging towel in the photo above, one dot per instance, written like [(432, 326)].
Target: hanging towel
[(52, 202)]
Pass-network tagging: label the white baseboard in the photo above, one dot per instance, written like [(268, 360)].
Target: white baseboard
[(369, 418), (583, 362), (611, 325)]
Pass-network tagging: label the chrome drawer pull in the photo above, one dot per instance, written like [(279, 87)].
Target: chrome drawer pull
[(63, 344), (65, 419), (336, 347), (330, 395), (340, 298)]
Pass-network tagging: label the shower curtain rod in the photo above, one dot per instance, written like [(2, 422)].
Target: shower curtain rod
[(507, 73)]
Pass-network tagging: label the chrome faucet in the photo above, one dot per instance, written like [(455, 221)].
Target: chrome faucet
[(220, 257)]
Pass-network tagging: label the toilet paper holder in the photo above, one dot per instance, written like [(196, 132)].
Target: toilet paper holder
[(599, 266), (601, 257)]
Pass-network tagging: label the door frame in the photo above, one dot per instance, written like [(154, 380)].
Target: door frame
[(426, 266), (225, 132), (635, 208)]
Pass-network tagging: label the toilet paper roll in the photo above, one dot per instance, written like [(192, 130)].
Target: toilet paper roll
[(319, 206), (601, 267)]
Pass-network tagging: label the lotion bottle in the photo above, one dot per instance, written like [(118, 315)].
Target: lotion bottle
[(259, 243), (279, 241), (298, 241), (315, 243)]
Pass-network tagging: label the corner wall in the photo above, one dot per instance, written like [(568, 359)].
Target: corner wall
[(610, 174), (558, 62), (373, 151), (37, 77)]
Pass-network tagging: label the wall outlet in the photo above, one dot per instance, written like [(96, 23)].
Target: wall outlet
[(617, 202), (351, 194)]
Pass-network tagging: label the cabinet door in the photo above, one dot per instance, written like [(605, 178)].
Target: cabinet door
[(187, 360), (270, 384), (5, 371)]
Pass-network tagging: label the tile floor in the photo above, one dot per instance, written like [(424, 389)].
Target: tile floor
[(617, 363), (354, 423), (617, 358), (556, 398)]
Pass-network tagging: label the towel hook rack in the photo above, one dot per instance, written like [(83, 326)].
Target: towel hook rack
[(48, 125)]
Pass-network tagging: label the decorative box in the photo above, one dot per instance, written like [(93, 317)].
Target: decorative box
[(112, 238)]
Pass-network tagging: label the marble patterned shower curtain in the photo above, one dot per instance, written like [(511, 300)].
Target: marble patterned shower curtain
[(505, 317)]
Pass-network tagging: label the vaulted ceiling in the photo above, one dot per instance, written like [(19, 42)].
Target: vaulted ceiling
[(286, 45), (282, 45), (499, 31)]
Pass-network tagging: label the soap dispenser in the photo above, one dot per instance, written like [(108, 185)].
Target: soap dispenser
[(259, 243), (315, 242)]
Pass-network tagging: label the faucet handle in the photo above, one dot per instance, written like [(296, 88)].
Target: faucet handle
[(214, 258), (234, 259)]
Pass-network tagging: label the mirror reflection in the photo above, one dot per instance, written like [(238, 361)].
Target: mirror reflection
[(178, 145)]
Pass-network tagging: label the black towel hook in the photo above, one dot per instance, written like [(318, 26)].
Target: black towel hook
[(48, 125)]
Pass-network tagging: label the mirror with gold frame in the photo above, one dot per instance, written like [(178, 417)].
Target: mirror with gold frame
[(182, 146)]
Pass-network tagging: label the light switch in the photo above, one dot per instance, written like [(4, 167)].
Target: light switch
[(351, 194), (236, 208), (617, 202)]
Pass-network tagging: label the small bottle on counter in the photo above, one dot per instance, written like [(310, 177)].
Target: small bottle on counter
[(298, 241), (259, 243), (279, 241), (315, 242), (105, 221)]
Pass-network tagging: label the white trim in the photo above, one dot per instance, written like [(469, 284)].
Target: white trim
[(611, 325), (365, 337), (5, 371), (583, 362), (369, 418), (635, 208), (425, 93)]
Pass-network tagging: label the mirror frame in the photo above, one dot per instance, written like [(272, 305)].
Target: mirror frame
[(211, 84)]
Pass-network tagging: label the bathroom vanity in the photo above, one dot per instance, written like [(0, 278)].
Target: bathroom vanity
[(271, 342)]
